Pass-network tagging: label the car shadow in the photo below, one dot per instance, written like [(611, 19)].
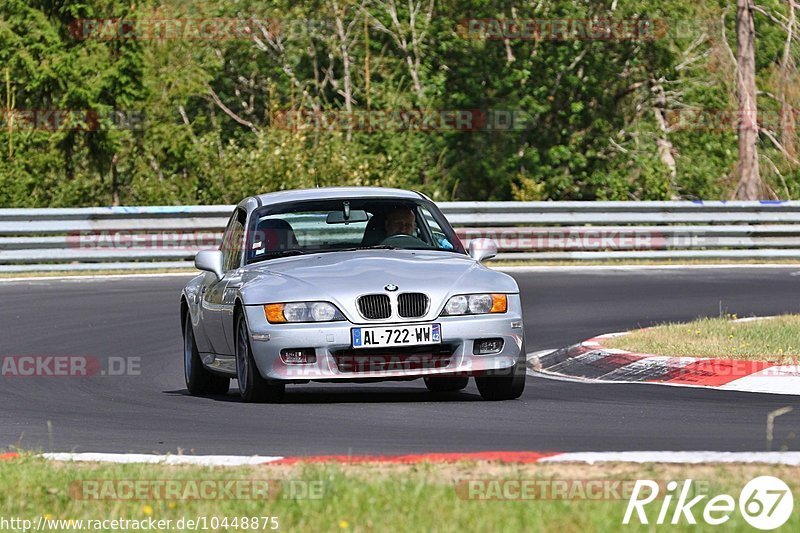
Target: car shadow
[(319, 395)]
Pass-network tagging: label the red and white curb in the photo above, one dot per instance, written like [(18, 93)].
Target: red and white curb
[(592, 361), (670, 457)]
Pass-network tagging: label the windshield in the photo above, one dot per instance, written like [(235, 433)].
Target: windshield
[(348, 224)]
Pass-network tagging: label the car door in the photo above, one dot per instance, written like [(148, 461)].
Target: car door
[(218, 296)]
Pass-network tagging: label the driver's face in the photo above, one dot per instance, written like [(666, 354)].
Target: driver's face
[(400, 222)]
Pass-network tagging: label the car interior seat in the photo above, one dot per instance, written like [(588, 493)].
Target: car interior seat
[(375, 231), (275, 235)]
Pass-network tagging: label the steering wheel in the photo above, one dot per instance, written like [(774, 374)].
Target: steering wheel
[(404, 241)]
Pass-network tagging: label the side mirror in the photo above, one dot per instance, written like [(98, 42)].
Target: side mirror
[(482, 249), (210, 261)]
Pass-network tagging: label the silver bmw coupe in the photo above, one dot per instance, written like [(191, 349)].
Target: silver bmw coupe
[(350, 284)]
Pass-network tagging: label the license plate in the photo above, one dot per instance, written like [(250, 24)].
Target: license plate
[(381, 337)]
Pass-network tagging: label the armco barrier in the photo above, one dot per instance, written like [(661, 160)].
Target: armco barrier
[(168, 236)]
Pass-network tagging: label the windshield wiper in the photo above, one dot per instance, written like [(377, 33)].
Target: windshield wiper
[(374, 247), (281, 253)]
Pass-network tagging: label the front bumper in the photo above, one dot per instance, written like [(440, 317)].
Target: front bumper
[(336, 360)]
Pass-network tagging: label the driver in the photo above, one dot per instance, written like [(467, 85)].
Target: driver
[(400, 221)]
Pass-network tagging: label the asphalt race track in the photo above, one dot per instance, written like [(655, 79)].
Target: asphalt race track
[(152, 412)]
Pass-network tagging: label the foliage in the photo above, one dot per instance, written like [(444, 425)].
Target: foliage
[(186, 120)]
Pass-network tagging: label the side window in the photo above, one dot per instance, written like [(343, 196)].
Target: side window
[(440, 240), (233, 241)]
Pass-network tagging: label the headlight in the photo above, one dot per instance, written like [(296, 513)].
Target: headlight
[(302, 312), (476, 304), (457, 305)]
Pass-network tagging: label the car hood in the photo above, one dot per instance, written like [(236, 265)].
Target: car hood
[(340, 277)]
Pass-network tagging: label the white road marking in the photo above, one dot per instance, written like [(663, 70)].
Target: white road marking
[(772, 380), (565, 268), (782, 458), (98, 277), (126, 458), (694, 457)]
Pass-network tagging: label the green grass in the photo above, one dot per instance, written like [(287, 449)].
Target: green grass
[(775, 340), (371, 497)]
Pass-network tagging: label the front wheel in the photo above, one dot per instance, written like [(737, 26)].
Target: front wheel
[(252, 387), (199, 381), (504, 387)]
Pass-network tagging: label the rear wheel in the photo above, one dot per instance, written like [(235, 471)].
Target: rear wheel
[(199, 381), (504, 387), (446, 384), (252, 386)]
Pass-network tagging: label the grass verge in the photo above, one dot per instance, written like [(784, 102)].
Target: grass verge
[(424, 497), (774, 340)]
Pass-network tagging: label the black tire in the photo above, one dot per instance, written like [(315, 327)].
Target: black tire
[(199, 381), (252, 387), (507, 386), (446, 384)]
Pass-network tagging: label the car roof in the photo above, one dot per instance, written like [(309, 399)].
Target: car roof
[(327, 193)]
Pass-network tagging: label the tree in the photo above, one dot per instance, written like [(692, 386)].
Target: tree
[(749, 186)]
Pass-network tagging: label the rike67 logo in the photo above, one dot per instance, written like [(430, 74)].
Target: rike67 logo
[(765, 503)]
